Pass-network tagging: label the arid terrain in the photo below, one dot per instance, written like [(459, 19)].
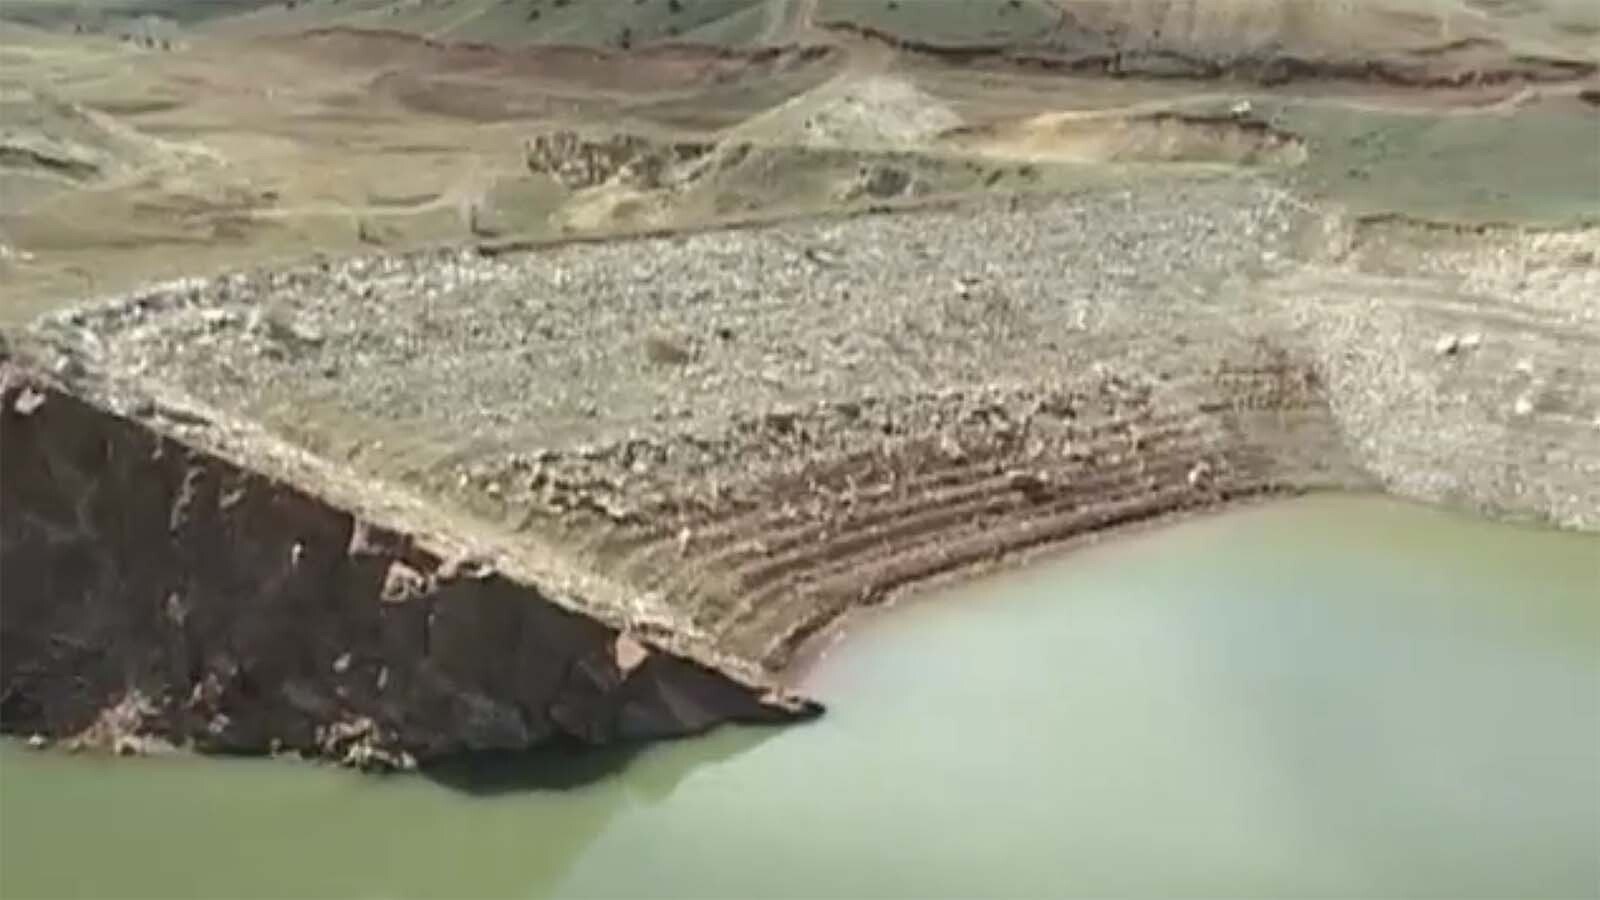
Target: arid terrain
[(695, 325), (156, 146)]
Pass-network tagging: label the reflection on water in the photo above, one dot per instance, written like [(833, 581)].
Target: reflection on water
[(1328, 697), (561, 768)]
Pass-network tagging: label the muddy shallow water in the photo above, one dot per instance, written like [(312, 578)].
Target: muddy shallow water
[(1330, 696)]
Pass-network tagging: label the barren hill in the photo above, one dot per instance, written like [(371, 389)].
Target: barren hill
[(1411, 41)]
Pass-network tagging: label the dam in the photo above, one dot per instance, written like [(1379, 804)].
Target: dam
[(390, 509), (1136, 448)]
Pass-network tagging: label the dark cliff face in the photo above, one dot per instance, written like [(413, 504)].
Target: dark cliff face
[(149, 590)]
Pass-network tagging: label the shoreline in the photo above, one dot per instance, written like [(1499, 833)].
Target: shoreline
[(814, 653), (742, 438)]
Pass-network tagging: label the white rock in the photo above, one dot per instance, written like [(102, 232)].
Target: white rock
[(28, 401)]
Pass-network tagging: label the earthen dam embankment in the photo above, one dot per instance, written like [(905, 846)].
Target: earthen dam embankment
[(394, 508)]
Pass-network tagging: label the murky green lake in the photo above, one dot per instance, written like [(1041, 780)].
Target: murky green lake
[(1337, 697)]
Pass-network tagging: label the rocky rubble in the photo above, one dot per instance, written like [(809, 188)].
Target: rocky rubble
[(714, 445), (1462, 364), (578, 161)]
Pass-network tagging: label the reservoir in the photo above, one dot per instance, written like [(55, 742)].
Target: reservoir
[(1329, 696)]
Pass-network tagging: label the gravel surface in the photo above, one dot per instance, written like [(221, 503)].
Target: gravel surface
[(437, 356), (745, 433)]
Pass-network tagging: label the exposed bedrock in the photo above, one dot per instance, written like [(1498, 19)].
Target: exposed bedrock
[(155, 592), (577, 160)]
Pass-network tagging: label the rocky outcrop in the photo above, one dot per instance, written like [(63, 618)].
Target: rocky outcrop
[(156, 593), (578, 161)]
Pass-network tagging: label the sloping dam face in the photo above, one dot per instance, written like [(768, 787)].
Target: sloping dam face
[(157, 593), (154, 590), (394, 508)]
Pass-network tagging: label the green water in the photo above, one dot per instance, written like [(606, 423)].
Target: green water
[(1340, 697)]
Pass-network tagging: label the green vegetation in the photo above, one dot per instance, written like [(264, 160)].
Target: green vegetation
[(1456, 168), (602, 23), (615, 23), (947, 21), (89, 13)]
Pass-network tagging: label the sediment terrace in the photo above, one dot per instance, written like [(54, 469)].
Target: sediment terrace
[(717, 444)]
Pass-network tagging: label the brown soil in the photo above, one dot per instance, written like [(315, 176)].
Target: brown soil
[(1155, 137), (646, 70)]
